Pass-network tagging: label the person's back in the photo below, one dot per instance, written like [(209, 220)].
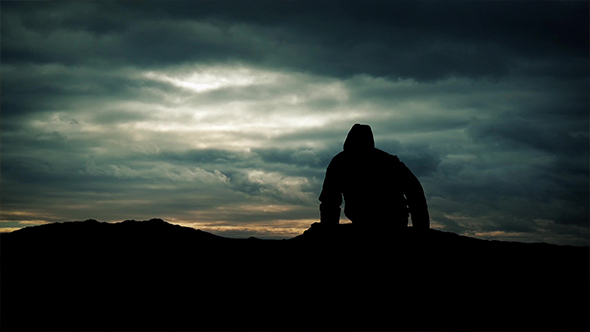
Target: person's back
[(378, 189)]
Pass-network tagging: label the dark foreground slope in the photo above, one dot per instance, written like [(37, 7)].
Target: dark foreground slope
[(152, 275)]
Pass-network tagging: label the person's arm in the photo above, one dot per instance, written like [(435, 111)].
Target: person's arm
[(331, 196), (416, 200)]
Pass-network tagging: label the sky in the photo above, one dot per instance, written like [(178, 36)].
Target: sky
[(223, 115)]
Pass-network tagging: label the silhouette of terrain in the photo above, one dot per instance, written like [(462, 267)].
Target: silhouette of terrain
[(152, 275)]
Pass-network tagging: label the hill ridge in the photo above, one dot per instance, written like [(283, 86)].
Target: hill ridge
[(315, 231), (153, 275)]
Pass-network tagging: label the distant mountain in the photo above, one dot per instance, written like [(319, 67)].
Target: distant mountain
[(152, 275)]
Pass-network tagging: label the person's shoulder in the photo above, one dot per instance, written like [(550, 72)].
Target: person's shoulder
[(388, 156), (340, 155), (338, 158)]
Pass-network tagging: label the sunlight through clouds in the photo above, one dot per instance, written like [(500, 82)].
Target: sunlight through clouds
[(212, 78), (267, 104)]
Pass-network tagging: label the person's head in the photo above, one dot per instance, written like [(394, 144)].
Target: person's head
[(359, 139)]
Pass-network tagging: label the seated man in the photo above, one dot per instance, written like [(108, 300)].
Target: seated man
[(379, 190)]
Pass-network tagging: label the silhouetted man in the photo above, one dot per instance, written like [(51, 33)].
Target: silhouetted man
[(379, 190)]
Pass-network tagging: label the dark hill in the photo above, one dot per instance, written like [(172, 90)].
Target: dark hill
[(152, 275)]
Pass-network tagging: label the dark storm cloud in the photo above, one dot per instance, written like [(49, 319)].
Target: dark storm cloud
[(424, 40), (521, 133), (304, 157), (404, 39), (203, 156)]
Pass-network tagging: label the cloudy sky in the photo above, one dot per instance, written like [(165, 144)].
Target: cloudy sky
[(223, 115)]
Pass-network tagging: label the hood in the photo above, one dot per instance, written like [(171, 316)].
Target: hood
[(360, 138)]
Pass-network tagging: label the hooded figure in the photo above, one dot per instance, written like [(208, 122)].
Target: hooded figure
[(378, 189)]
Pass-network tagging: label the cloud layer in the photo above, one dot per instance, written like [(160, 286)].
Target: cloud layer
[(224, 115)]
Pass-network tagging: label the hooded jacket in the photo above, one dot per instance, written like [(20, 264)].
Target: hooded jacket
[(378, 189)]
